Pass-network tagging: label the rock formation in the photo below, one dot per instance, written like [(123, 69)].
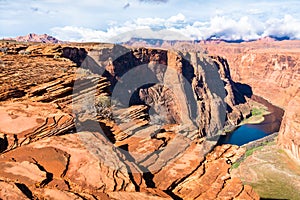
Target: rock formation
[(32, 37), (75, 125)]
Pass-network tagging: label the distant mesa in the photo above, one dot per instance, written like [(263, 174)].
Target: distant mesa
[(151, 42), (32, 37)]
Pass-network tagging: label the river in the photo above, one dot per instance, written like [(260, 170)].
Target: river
[(250, 132)]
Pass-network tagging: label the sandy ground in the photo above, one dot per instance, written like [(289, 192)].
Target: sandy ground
[(256, 119)]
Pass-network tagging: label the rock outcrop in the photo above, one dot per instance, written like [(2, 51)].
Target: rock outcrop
[(212, 179), (71, 130), (64, 164), (25, 122)]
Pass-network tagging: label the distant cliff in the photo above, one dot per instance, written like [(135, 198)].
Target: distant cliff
[(32, 37), (272, 69)]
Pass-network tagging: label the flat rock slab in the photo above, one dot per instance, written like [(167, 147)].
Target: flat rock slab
[(10, 191), (22, 172), (94, 164), (136, 195), (26, 121), (212, 180), (53, 160)]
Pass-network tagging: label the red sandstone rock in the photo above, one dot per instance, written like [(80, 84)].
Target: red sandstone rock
[(10, 191), (66, 165), (24, 122), (211, 180), (136, 195), (289, 135), (22, 172)]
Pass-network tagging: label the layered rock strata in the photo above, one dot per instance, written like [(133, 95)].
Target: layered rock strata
[(70, 131)]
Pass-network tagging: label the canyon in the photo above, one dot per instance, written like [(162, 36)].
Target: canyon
[(272, 70), (105, 121)]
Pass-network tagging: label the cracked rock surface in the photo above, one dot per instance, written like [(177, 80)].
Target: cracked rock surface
[(62, 138)]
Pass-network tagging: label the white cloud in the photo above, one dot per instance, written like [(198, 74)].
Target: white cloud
[(70, 33), (176, 18), (177, 27), (199, 19), (254, 11), (141, 27), (286, 27)]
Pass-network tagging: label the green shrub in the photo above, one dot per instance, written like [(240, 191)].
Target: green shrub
[(257, 111), (249, 152), (103, 107), (103, 101), (235, 165)]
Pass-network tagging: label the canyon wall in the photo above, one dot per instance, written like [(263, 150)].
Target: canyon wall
[(272, 69), (67, 132)]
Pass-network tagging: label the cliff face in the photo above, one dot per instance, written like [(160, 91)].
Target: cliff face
[(272, 69), (183, 88), (148, 142), (289, 137), (277, 72)]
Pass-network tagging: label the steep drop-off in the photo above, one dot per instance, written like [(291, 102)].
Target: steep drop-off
[(272, 69)]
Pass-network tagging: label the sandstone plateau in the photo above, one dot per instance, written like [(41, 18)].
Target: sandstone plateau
[(69, 130)]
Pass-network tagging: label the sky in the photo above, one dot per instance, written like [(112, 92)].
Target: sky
[(111, 20)]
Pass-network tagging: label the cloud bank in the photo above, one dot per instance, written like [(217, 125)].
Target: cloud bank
[(98, 20), (178, 27)]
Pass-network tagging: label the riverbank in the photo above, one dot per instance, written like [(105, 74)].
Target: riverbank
[(264, 166), (258, 111), (271, 172), (264, 121)]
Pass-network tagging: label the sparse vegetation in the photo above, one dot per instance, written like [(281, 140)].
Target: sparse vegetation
[(249, 152), (235, 165), (274, 174), (257, 111), (103, 101), (257, 114), (103, 107)]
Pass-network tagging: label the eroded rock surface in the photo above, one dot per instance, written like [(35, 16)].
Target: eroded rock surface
[(211, 180), (289, 136), (26, 121), (10, 191), (64, 135)]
